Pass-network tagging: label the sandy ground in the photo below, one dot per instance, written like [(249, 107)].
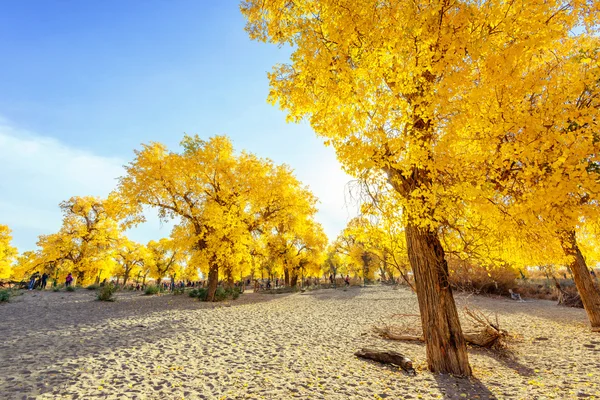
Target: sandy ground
[(67, 345)]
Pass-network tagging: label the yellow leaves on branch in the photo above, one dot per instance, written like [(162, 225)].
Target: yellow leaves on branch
[(8, 253), (472, 110), (222, 200)]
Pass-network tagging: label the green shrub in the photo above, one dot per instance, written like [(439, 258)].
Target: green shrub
[(200, 293), (178, 291), (70, 288), (221, 294), (282, 290), (152, 289), (233, 292), (56, 289), (5, 295), (106, 292), (93, 287)]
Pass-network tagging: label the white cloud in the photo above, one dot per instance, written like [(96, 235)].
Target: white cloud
[(39, 172)]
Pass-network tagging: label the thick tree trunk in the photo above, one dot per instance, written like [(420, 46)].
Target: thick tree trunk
[(213, 280), (445, 344), (125, 278), (294, 279), (589, 293)]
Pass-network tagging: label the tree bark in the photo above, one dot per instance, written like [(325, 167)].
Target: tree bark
[(589, 293), (213, 280), (445, 343), (286, 276)]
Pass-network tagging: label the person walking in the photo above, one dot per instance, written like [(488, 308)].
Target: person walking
[(347, 280), (69, 280), (44, 280)]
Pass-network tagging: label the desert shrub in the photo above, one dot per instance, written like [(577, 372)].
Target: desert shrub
[(178, 291), (92, 287), (200, 293), (545, 289), (282, 290), (152, 289), (70, 288), (233, 292), (5, 295), (221, 294), (106, 292), (465, 276)]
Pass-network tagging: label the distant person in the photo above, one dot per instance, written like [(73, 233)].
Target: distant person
[(69, 280), (268, 283), (347, 280), (44, 280), (331, 279), (32, 280)]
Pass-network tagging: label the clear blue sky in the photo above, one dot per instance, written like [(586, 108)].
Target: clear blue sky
[(85, 82)]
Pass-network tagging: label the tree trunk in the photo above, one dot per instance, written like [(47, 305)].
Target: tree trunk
[(125, 277), (294, 279), (590, 296), (229, 277), (445, 344), (286, 277), (213, 280)]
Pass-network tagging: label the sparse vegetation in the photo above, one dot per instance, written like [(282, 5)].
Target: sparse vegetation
[(152, 289), (5, 295), (106, 292)]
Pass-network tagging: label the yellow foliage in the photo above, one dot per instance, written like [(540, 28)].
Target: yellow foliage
[(223, 200), (83, 246), (8, 253)]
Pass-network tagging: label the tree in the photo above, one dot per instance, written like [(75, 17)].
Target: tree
[(8, 253), (293, 239), (163, 258), (386, 83), (130, 257), (361, 248), (85, 242), (544, 172), (221, 198)]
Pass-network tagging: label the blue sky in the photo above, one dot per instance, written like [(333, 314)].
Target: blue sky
[(85, 82)]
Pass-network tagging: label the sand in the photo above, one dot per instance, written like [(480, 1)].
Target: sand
[(294, 346)]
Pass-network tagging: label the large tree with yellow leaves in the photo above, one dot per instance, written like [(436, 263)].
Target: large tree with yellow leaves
[(222, 199), (386, 83)]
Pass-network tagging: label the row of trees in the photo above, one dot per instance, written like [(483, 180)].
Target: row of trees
[(236, 214), (469, 118)]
